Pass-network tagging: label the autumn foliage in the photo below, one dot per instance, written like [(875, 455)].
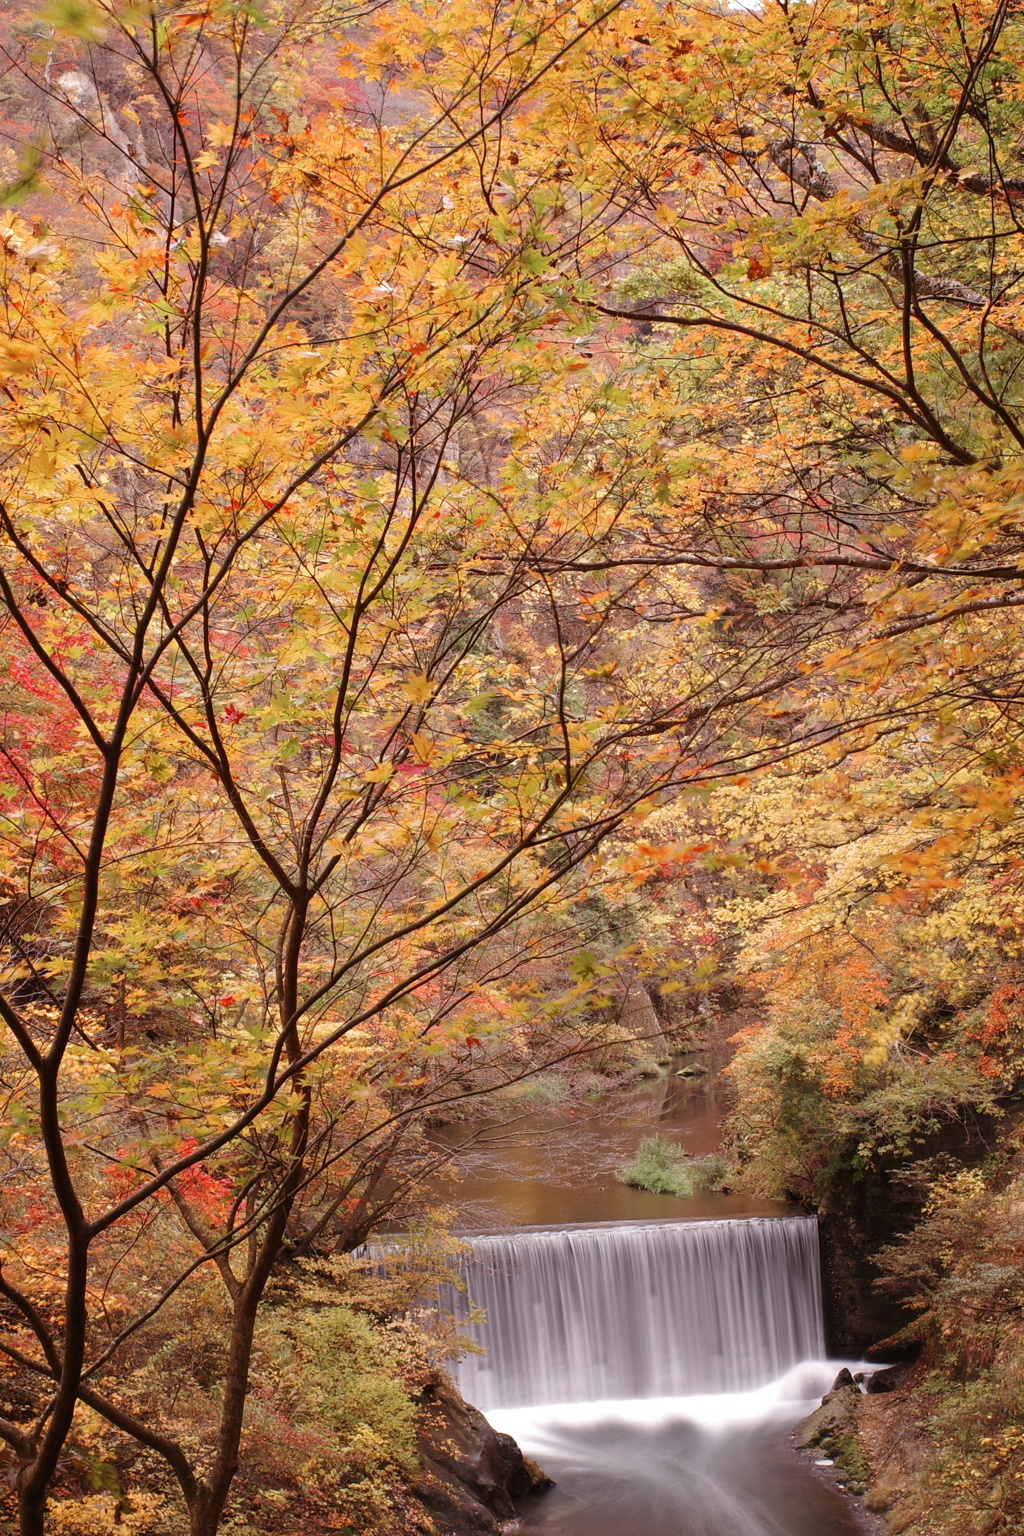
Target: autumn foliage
[(496, 501)]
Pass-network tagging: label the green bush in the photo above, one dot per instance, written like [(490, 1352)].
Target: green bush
[(351, 1386), (664, 1169)]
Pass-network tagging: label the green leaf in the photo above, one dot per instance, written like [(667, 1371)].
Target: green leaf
[(27, 180), (583, 965), (533, 260), (75, 18)]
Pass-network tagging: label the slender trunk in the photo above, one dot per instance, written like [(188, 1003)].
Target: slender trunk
[(205, 1513), (207, 1507), (211, 1495), (31, 1512), (35, 1475)]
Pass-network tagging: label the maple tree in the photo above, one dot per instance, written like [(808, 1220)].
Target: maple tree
[(312, 709), (823, 205)]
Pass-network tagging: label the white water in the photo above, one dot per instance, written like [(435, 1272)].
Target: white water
[(698, 1466), (640, 1311), (651, 1368), (546, 1430)]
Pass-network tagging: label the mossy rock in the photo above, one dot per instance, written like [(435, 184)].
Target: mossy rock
[(837, 1415), (832, 1428), (846, 1451)]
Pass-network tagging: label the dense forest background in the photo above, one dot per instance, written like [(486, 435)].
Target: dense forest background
[(510, 548)]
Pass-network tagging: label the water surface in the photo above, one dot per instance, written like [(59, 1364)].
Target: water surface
[(620, 1478), (553, 1168), (716, 1465)]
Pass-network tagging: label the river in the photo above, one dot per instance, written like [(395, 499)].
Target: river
[(651, 1352)]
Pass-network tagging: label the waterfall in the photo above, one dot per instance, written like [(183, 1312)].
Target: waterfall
[(639, 1309)]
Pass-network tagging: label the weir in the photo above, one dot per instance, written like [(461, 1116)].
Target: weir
[(634, 1310)]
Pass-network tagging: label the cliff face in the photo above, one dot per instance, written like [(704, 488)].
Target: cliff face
[(472, 1474), (863, 1213), (937, 1444), (856, 1219)]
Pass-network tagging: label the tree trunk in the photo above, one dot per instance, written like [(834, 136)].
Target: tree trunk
[(204, 1515), (31, 1512), (207, 1505)]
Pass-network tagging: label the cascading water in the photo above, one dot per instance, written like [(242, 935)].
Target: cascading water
[(635, 1310), (650, 1366)]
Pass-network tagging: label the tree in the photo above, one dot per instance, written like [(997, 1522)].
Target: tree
[(314, 719), (819, 245), (819, 207), (437, 437)]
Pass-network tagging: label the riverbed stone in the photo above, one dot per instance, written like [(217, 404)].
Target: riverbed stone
[(885, 1379)]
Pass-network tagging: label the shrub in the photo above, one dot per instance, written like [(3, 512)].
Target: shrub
[(339, 1377), (962, 1270), (664, 1169), (103, 1514)]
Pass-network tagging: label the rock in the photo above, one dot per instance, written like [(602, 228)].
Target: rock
[(865, 1210), (885, 1379), (471, 1473), (539, 1480), (833, 1428), (692, 1069), (898, 1351), (836, 1416)]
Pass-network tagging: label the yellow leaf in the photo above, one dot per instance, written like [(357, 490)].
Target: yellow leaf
[(424, 747), (418, 688)]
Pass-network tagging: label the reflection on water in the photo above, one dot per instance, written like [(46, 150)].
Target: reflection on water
[(713, 1466), (550, 1169)]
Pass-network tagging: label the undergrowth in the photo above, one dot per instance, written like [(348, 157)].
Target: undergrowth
[(962, 1271)]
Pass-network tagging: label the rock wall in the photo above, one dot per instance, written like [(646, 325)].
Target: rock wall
[(863, 1213), (856, 1219)]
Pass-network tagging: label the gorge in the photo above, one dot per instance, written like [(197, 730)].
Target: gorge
[(511, 578)]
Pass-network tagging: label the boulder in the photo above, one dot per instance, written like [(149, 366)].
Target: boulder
[(885, 1379), (471, 1473), (837, 1414)]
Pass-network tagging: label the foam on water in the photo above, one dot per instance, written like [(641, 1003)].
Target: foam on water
[(707, 1465), (542, 1429)]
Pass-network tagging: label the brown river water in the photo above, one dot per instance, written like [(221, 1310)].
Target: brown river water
[(550, 1169)]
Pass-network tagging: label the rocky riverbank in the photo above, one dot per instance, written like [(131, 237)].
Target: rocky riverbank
[(829, 1439), (472, 1474)]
